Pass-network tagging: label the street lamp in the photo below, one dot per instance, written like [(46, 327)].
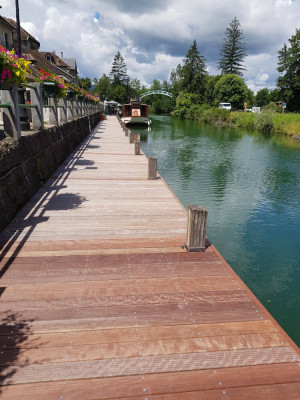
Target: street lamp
[(19, 49), (24, 124)]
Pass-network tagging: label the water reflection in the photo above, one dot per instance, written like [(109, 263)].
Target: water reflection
[(251, 187)]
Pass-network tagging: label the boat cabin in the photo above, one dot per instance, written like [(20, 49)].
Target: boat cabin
[(135, 109)]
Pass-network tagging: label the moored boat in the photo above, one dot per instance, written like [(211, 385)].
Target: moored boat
[(135, 113)]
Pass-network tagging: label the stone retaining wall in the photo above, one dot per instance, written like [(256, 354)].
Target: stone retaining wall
[(26, 165)]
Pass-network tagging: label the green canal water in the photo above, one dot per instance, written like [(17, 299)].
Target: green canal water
[(251, 188)]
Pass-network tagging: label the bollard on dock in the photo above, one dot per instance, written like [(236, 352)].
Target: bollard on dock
[(137, 147), (196, 229), (152, 168)]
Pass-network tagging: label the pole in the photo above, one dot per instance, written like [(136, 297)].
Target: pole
[(18, 28), (25, 126)]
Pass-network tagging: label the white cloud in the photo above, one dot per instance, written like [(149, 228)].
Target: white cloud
[(31, 28), (261, 71), (146, 72), (154, 39)]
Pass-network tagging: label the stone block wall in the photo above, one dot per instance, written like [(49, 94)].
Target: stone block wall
[(27, 164)]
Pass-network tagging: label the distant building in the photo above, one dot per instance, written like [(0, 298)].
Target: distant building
[(27, 40), (6, 33), (48, 61), (71, 63)]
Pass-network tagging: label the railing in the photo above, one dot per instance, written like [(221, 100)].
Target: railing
[(43, 109)]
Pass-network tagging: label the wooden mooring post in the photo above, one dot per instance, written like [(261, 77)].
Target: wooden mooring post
[(131, 137), (152, 168), (196, 229), (137, 144)]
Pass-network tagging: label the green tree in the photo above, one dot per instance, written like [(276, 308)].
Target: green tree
[(194, 72), (275, 95), (135, 88), (156, 85), (118, 73), (289, 68), (250, 98), (119, 93), (85, 83), (162, 104), (262, 97), (183, 103), (176, 80), (210, 87), (103, 87), (120, 88), (233, 50), (231, 88)]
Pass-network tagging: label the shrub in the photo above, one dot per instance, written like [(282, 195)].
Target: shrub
[(272, 107), (264, 122), (243, 120), (216, 116)]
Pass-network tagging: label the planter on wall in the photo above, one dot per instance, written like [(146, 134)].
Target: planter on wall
[(50, 90), (7, 85), (70, 95)]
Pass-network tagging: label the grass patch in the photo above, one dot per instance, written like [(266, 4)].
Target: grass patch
[(268, 122), (287, 124)]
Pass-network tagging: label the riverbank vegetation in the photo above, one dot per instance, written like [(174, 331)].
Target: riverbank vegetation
[(268, 121), (196, 94)]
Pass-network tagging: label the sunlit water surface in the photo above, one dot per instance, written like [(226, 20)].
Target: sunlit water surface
[(251, 188)]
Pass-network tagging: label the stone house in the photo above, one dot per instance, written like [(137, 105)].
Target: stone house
[(71, 63), (27, 40), (6, 33)]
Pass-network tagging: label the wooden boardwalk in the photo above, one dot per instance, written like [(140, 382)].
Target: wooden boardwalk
[(99, 300)]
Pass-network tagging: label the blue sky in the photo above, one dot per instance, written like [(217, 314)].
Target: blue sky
[(154, 36)]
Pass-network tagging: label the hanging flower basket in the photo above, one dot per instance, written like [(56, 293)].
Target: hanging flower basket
[(53, 85), (50, 90), (70, 95), (13, 69), (7, 85)]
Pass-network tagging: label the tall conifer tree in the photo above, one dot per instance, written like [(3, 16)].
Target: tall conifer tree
[(118, 73), (233, 50), (194, 72)]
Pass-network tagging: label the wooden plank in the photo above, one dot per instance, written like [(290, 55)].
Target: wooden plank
[(75, 352), (200, 298), (149, 333), (174, 384), (114, 287), (271, 392), (148, 365)]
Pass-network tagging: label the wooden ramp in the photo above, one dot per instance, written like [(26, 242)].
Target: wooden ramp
[(99, 300)]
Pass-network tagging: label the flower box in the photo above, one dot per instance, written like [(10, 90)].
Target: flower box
[(7, 85), (70, 95), (50, 90)]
